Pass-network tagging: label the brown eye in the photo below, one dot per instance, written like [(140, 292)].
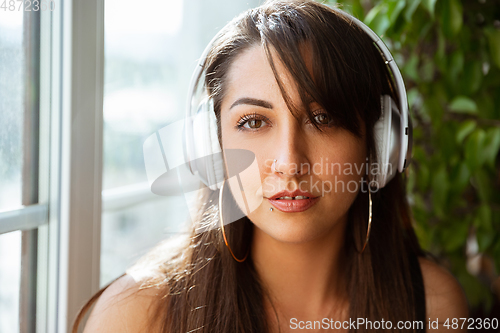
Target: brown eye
[(254, 123), (322, 119)]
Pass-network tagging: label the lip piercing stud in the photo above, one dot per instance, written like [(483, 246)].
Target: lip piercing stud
[(271, 209)]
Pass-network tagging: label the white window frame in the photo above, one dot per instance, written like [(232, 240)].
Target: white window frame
[(72, 62), (77, 100)]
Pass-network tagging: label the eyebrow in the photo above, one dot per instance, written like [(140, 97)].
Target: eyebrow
[(252, 101)]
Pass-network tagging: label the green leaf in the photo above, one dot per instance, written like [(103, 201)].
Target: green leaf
[(376, 10), (476, 292), (463, 104), (464, 39), (377, 19), (482, 183), (495, 102), (427, 70), (423, 177), (483, 218), (394, 8), (425, 29), (494, 45), (357, 9), (492, 146), (440, 55), (447, 142), (410, 68), (434, 109), (484, 239), (456, 16), (484, 213), (429, 5), (414, 98), (455, 66), (473, 146), (461, 177), (440, 185), (496, 255), (423, 230), (486, 105), (465, 129), (410, 9), (455, 237), (473, 76), (452, 17)]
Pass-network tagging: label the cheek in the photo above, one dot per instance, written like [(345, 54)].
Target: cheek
[(341, 168), (246, 187), (243, 170)]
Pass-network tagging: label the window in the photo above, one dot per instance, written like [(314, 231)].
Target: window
[(20, 214), (10, 280), (11, 108), (47, 157)]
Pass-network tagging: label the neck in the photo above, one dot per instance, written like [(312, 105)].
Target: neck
[(303, 280)]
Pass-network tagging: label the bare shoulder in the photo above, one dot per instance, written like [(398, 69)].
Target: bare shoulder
[(444, 296), (123, 307)]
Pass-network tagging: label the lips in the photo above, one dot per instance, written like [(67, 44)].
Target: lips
[(293, 202)]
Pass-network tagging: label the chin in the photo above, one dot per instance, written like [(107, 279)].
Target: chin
[(297, 229)]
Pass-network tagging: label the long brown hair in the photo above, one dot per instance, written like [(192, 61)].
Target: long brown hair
[(203, 288)]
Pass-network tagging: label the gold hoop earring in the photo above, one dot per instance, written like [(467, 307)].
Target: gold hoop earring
[(222, 226), (369, 220)]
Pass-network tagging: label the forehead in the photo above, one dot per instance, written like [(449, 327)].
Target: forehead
[(251, 75)]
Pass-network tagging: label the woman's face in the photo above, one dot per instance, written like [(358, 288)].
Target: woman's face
[(320, 169)]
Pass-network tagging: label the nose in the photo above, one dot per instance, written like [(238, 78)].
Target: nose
[(290, 152)]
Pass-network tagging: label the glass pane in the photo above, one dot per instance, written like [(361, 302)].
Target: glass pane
[(10, 279), (148, 66), (129, 233), (11, 107)]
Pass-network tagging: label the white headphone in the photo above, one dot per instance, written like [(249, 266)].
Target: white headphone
[(392, 132)]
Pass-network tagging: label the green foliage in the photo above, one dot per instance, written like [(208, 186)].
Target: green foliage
[(449, 54)]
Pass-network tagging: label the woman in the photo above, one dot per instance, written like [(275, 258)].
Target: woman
[(299, 85)]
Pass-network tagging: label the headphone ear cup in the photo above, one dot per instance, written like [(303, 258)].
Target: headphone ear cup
[(387, 142), (207, 160)]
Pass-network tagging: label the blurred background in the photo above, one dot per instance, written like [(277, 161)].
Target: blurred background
[(449, 54)]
